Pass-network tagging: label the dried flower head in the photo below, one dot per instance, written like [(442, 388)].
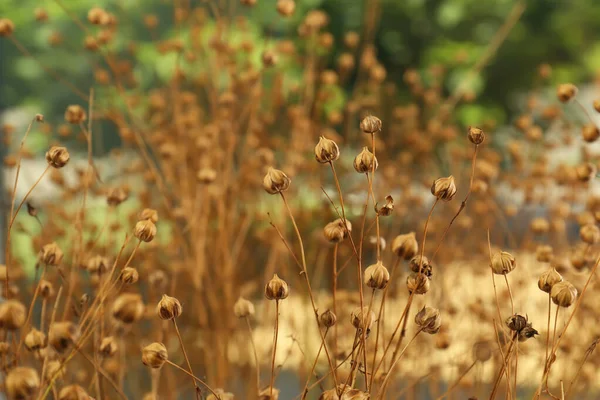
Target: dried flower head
[(482, 351), (586, 172), (476, 135), (527, 333), (108, 346), (590, 133), (57, 156), (563, 294), (73, 392), (444, 188), (222, 395), (548, 279), (503, 263), (128, 308), (362, 318), (154, 355), (276, 181), (376, 276), (46, 289), (544, 253), (429, 320), (566, 92), (129, 275), (286, 7), (7, 27), (168, 308), (590, 234), (328, 319), (243, 308), (22, 383), (363, 162), (326, 150), (50, 254), (75, 114), (62, 335), (516, 322), (335, 231), (148, 213), (97, 264), (145, 230), (405, 246), (387, 208), (370, 124), (35, 340), (116, 196), (276, 289), (12, 314), (417, 283)]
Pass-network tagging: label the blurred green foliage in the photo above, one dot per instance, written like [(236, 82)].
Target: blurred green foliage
[(411, 33)]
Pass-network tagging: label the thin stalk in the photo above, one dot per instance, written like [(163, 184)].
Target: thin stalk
[(383, 384), (255, 354), (195, 378), (512, 303), (503, 367), (187, 360), (31, 305), (334, 298), (312, 370), (275, 334), (456, 383)]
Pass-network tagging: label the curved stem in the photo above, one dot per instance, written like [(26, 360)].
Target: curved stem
[(383, 384), (195, 378), (455, 384), (187, 360), (312, 370)]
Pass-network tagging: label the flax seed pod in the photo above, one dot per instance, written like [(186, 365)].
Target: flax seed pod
[(376, 276), (276, 289), (405, 246), (563, 294), (243, 308), (444, 188), (154, 355), (22, 383), (326, 150), (429, 320), (566, 91), (370, 124), (276, 181), (168, 308)]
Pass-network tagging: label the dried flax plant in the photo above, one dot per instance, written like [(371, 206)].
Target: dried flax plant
[(196, 150)]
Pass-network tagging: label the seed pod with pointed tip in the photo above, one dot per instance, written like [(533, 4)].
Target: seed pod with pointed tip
[(326, 150), (418, 283), (590, 234), (129, 275), (35, 340), (12, 314), (108, 346), (57, 156), (563, 294), (516, 322), (328, 319), (168, 308), (335, 231), (145, 230), (429, 320), (276, 289), (154, 355), (276, 181), (421, 264), (376, 276), (503, 263), (476, 135), (444, 188), (243, 308), (362, 318), (370, 124), (548, 279), (363, 162), (566, 91), (50, 254), (405, 246), (22, 383)]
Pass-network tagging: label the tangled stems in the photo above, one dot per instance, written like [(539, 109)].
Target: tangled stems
[(310, 374), (504, 366), (389, 373)]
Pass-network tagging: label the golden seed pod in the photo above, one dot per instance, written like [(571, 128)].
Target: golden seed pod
[(362, 318), (363, 162), (108, 346), (154, 355), (75, 114), (46, 289), (444, 188), (540, 226), (586, 172), (418, 283), (35, 340), (12, 315), (243, 308), (145, 230), (276, 181), (54, 370), (206, 175), (503, 263), (62, 335), (476, 135), (57, 156), (50, 254), (268, 394), (335, 232), (116, 196), (328, 319), (22, 383), (548, 279), (222, 395), (376, 276), (286, 7), (97, 16), (73, 392), (97, 264), (596, 105), (326, 150), (276, 289), (590, 234), (387, 208), (370, 124), (563, 294), (422, 265), (128, 308), (566, 91), (129, 275), (482, 351), (544, 253), (429, 320), (7, 27), (168, 308), (590, 133), (516, 322), (348, 394), (405, 246), (150, 214)]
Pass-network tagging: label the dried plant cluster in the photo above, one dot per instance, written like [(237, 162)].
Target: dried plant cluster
[(227, 244)]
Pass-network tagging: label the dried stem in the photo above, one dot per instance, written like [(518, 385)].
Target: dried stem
[(275, 334), (187, 360)]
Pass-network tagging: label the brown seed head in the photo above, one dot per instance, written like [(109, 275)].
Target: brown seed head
[(35, 340), (429, 320), (243, 308), (422, 265), (75, 114), (476, 135), (586, 172), (563, 294), (387, 208), (154, 355), (97, 264), (46, 289), (335, 232), (145, 230), (544, 253), (590, 133), (503, 263), (362, 318), (326, 150), (12, 314), (276, 181), (276, 289), (73, 392), (286, 7), (129, 275), (363, 163), (7, 27), (62, 335), (548, 279), (417, 283), (376, 276), (566, 91), (116, 196), (590, 234), (405, 246), (328, 319), (22, 383), (444, 188), (168, 308), (220, 395), (516, 322), (370, 124), (57, 157), (149, 213), (128, 308), (108, 346), (97, 16)]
